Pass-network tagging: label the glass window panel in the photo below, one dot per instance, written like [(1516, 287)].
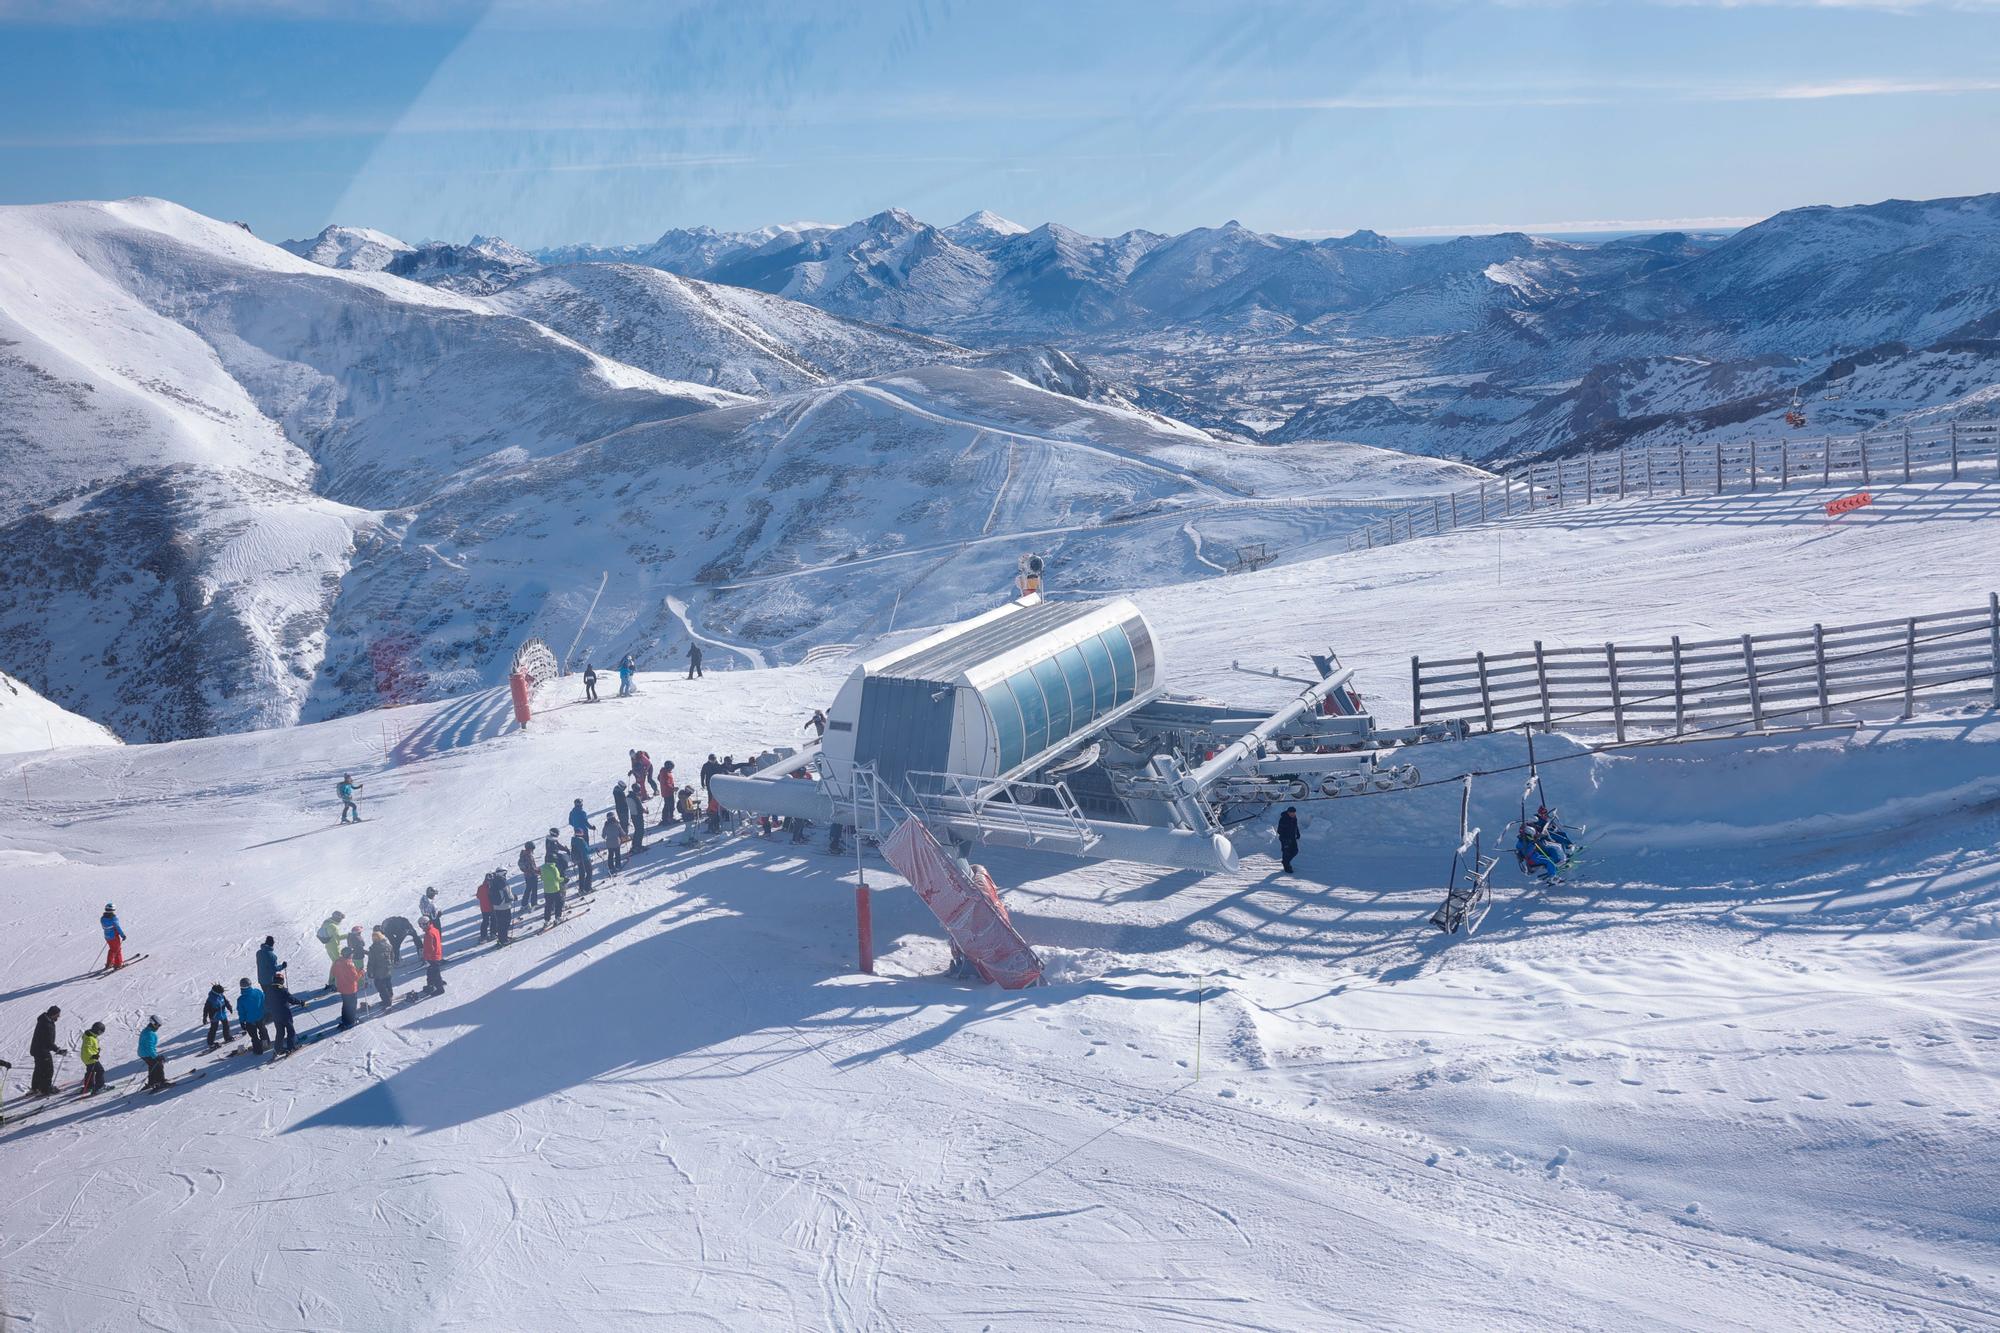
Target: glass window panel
[(1121, 661), (1077, 674), (1050, 677), (1142, 653), (1006, 723), (1034, 712), (1104, 686)]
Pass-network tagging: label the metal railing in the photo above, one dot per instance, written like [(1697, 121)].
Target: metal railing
[(1880, 666), (1014, 807), (1950, 449)]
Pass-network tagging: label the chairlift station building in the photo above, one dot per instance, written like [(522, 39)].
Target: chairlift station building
[(1047, 724)]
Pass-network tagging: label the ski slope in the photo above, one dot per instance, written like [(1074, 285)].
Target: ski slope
[(1740, 1074)]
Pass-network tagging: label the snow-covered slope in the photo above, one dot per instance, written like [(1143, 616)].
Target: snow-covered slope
[(30, 722), (1735, 1074), (360, 248), (200, 426), (483, 264), (832, 513)]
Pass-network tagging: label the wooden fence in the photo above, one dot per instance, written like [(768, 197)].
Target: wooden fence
[(1759, 679), (1950, 449)]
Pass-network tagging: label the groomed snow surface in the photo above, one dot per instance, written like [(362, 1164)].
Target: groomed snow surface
[(1739, 1073)]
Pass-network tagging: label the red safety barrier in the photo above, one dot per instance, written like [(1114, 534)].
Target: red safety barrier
[(977, 924), (1847, 504), (517, 682), (864, 927)]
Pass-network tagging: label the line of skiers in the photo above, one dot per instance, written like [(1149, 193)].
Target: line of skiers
[(627, 669), (353, 960)]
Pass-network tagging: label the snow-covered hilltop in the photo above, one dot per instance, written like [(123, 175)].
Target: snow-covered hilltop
[(362, 249), (30, 722)]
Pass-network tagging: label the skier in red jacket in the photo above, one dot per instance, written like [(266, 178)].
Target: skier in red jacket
[(433, 951)]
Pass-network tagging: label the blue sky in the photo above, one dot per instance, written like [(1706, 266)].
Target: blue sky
[(600, 120)]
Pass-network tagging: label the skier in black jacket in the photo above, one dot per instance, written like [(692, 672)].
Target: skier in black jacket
[(1288, 836), (278, 1005), (44, 1047)]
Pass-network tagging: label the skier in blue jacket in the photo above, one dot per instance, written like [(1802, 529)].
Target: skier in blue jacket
[(216, 1009), (149, 1051), (250, 1013)]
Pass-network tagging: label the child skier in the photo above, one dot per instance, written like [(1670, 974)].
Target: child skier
[(346, 788), (114, 939), (149, 1051), (93, 1059), (216, 1010)]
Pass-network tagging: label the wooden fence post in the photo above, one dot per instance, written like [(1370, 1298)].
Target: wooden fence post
[(1784, 465), (1542, 679), (1561, 495), (1682, 466), (1437, 517), (1482, 502), (1621, 472), (1454, 511), (1750, 674), (1861, 442), (1906, 453), (1910, 669), (1617, 702), (1680, 699), (1819, 671), (1753, 464), (1507, 497), (1416, 693), (1954, 450), (1718, 467), (1649, 472), (1993, 624), (1826, 461), (1485, 696)]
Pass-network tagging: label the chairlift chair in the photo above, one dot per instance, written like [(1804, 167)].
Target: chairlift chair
[(1795, 415), (1547, 816), (1468, 894)]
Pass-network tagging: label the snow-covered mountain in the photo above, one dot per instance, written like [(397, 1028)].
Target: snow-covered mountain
[(361, 248), (239, 488), (729, 337), (483, 264), (1443, 348), (201, 426)]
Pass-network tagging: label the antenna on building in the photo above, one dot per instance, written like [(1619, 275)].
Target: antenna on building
[(1030, 580)]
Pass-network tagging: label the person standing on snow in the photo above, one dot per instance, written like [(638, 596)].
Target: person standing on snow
[(329, 938), (429, 910), (267, 960), (818, 724), (1288, 836), (382, 968), (579, 855), (45, 1048), (552, 850), (114, 939), (642, 774), (347, 980), (503, 909), (694, 660), (620, 802), (625, 670), (357, 948), (638, 827), (278, 1001), (709, 770), (346, 788), (484, 896), (149, 1051), (589, 683), (614, 833), (667, 792), (93, 1059), (552, 892), (433, 951), (250, 1004), (531, 882), (216, 1009)]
